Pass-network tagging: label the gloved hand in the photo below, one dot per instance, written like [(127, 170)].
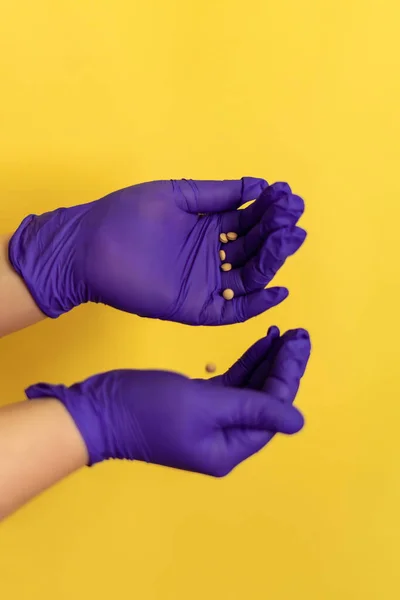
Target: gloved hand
[(207, 426), (146, 250)]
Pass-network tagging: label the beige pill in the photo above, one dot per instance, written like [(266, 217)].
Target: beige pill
[(226, 267), (232, 236), (211, 367), (223, 238), (228, 294), (222, 254)]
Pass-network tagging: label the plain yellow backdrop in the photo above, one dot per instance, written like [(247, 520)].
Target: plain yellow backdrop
[(97, 95)]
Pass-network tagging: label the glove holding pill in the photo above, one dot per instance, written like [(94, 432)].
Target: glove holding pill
[(207, 426), (173, 250)]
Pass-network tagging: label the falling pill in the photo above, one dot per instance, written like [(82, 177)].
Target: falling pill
[(228, 294), (232, 236), (211, 367), (223, 238), (222, 254), (226, 267)]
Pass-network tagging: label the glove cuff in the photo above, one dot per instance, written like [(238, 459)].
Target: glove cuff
[(42, 251)]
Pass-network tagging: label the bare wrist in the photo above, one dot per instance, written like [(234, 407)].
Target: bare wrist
[(17, 307)]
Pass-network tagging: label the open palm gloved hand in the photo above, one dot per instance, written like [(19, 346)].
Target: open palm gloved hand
[(154, 250), (206, 426)]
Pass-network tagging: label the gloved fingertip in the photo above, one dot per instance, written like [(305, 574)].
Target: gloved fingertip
[(281, 293), (298, 234), (252, 187), (302, 334), (281, 187), (296, 334), (273, 331), (295, 423), (297, 204), (299, 344), (291, 239)]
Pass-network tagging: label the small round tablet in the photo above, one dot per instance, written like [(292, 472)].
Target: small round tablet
[(228, 294), (232, 236), (211, 367), (223, 238), (222, 254), (226, 267)]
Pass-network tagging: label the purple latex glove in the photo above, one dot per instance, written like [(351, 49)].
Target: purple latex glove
[(207, 426), (147, 250)]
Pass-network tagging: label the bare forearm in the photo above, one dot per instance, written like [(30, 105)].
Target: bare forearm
[(39, 445), (17, 307)]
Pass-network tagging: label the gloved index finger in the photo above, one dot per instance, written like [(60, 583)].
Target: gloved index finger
[(240, 372)]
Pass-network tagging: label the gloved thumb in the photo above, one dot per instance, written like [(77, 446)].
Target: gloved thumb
[(251, 422), (252, 409)]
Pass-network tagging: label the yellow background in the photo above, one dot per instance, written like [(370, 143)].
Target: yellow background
[(97, 95)]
